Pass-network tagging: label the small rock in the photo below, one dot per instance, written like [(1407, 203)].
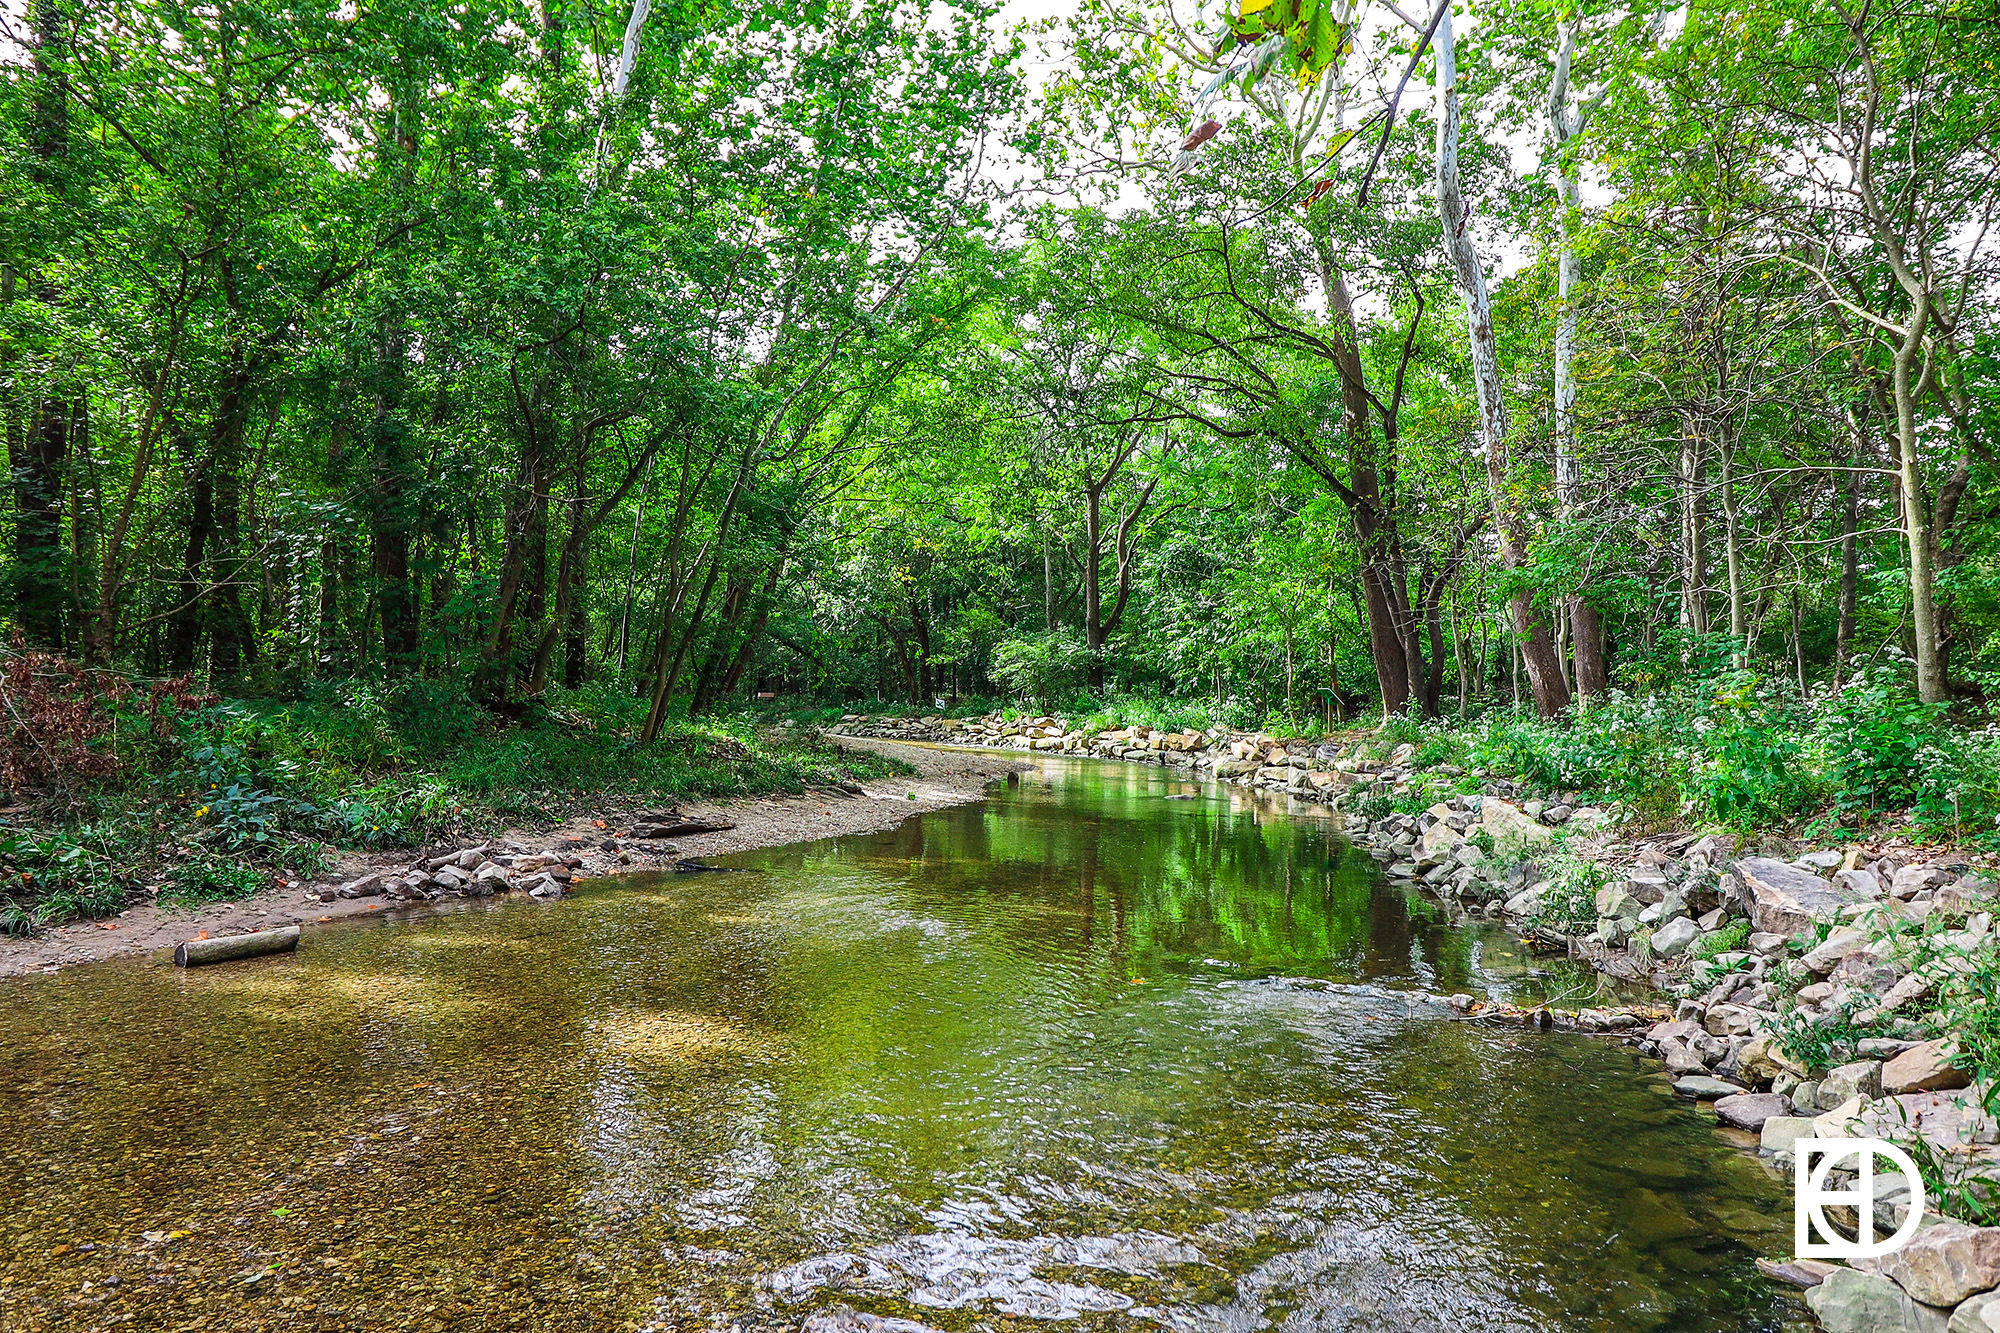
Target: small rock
[(1799, 1272), (1862, 1078), (1614, 901), (1681, 1060), (1755, 1062), (1767, 945), (1882, 1048), (1911, 880), (1780, 1132), (368, 886), (1821, 860), (1860, 882), (1841, 943), (1556, 814), (1674, 937), (1511, 830), (1705, 1087), (1978, 1314), (1750, 1110)]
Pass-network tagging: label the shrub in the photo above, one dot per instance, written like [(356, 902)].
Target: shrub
[(1875, 732), (1817, 1042), (1727, 940), (211, 881), (54, 877), (1569, 903), (64, 722), (1045, 666)]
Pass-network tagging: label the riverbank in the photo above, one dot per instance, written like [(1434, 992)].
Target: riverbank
[(938, 779), (1820, 988)]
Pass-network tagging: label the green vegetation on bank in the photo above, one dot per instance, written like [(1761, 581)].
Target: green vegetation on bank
[(210, 800), (1731, 750)]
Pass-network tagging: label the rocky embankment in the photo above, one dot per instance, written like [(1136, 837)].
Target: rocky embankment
[(504, 866), (1329, 772), (1815, 991)]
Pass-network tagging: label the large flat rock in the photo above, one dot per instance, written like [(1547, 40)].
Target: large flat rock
[(1782, 899), (1513, 832), (1945, 1263), (1850, 1301)]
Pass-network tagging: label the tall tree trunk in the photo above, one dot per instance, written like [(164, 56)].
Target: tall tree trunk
[(1093, 592), (1390, 643), (1732, 542), (1566, 123), (1908, 383), (1530, 625), (1048, 583), (1694, 529), (1850, 557), (184, 624), (41, 468), (389, 499)]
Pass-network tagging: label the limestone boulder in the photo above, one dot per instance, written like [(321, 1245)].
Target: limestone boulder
[(368, 886), (1945, 1263), (1862, 1078), (1757, 1062), (1511, 829), (1840, 945), (1733, 1020), (1915, 879), (1674, 938), (1780, 1132), (1782, 899), (1751, 1110), (1706, 1087), (1862, 883), (1614, 901), (1926, 1067), (1978, 1314), (1850, 1301)]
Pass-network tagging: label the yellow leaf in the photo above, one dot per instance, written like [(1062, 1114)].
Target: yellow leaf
[(1254, 6)]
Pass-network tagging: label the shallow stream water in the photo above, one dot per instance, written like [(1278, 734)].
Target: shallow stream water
[(1077, 1057)]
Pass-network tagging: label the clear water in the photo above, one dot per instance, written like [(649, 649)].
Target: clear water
[(1078, 1057)]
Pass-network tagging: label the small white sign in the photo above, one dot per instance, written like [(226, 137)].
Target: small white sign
[(1810, 1196)]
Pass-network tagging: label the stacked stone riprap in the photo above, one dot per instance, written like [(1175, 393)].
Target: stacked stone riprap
[(1324, 772), (491, 868)]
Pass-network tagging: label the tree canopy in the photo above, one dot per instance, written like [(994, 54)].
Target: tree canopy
[(1296, 356)]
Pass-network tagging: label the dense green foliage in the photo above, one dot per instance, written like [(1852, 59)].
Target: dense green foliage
[(475, 394)]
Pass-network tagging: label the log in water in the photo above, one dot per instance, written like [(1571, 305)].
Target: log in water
[(198, 953)]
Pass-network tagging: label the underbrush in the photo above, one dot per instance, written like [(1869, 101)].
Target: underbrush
[(1747, 753), (214, 800)]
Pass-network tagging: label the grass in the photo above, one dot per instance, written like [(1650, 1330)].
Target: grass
[(244, 790)]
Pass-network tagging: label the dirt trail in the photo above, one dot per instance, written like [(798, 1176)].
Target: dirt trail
[(943, 778)]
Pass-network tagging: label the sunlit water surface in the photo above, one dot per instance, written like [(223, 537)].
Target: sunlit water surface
[(1078, 1056)]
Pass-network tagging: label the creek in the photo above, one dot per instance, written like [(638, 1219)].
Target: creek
[(1077, 1056)]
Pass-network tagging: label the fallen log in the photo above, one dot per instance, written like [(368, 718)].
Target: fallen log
[(199, 953)]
